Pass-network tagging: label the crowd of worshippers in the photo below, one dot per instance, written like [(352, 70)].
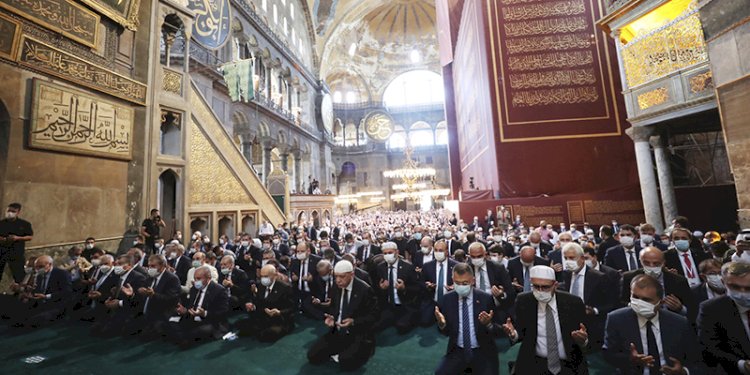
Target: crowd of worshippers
[(671, 303)]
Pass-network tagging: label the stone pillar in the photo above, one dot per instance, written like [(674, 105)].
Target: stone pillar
[(649, 193), (666, 186), (298, 173), (269, 76), (247, 151), (285, 162), (266, 164)]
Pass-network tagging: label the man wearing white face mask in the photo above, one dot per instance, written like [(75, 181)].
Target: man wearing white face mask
[(683, 259), (271, 310), (678, 297), (644, 339), (321, 290), (14, 233), (437, 276), (624, 257), (424, 255), (723, 322), (550, 327), (367, 250), (711, 287), (492, 278), (398, 288), (648, 238)]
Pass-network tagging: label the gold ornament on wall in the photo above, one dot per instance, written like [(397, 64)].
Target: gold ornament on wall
[(379, 126)]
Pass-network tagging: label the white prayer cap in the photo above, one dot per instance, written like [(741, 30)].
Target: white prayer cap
[(257, 243), (390, 245), (343, 266), (542, 272)]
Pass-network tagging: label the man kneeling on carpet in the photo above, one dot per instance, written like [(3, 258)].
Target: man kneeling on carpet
[(354, 312)]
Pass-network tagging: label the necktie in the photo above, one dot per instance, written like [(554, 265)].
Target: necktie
[(688, 266), (197, 302), (302, 269), (466, 326), (440, 283), (631, 258), (391, 287), (367, 253), (574, 286), (653, 349), (268, 291), (526, 280), (46, 283), (145, 304), (344, 305), (482, 283), (325, 295), (553, 354)]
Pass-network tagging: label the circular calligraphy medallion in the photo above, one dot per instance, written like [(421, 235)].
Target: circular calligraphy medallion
[(379, 126), (212, 22), (326, 112)]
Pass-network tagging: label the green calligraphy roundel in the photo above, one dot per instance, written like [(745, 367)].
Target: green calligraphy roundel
[(212, 22)]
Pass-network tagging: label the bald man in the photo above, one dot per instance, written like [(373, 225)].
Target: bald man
[(677, 295), (46, 303), (202, 314), (271, 308)]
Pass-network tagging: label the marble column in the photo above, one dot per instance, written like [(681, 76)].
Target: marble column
[(285, 162), (646, 175), (298, 173), (266, 164), (247, 151), (666, 186)]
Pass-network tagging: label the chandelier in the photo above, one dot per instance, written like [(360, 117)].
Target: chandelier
[(413, 185)]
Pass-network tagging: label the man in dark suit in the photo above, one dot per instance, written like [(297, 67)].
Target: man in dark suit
[(312, 232), (678, 298), (542, 248), (519, 267), (591, 286), (607, 236), (354, 312), (493, 279), (236, 281), (157, 299), (303, 271), (723, 322), (550, 327), (321, 291), (465, 316), (591, 258), (712, 286), (367, 249), (249, 257), (624, 257), (648, 238), (644, 339), (46, 303), (437, 277), (331, 242), (359, 273), (683, 259), (202, 314), (471, 237), (271, 310), (103, 280), (178, 262), (399, 289), (452, 243), (123, 302), (424, 254), (140, 261)]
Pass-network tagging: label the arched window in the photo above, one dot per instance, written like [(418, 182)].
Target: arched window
[(418, 87), (398, 138), (350, 135), (351, 97), (338, 97), (441, 133), (420, 134)]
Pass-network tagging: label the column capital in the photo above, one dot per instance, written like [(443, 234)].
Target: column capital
[(640, 133), (657, 141)]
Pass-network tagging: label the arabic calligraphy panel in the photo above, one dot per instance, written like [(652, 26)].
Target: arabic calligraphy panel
[(212, 21), (64, 16), (124, 12), (75, 122)]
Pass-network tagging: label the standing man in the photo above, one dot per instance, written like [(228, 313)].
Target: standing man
[(150, 229), (550, 327), (465, 316), (14, 233)]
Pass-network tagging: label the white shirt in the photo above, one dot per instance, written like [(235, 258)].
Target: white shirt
[(470, 305), (695, 280), (427, 258), (349, 295), (303, 285), (644, 338), (191, 277), (266, 229), (541, 329), (481, 272), (438, 271), (581, 276), (396, 300), (630, 254)]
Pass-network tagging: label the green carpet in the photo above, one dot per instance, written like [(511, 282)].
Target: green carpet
[(69, 349)]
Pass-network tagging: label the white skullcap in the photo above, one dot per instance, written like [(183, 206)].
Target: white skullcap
[(257, 243), (744, 235), (389, 245), (343, 266), (542, 272)]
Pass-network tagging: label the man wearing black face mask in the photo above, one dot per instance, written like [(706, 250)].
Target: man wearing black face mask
[(723, 322), (150, 229), (14, 233)]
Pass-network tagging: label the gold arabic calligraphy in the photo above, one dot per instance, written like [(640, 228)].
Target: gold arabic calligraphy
[(542, 10), (72, 20)]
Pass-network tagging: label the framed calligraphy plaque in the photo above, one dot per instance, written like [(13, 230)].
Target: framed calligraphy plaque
[(124, 12), (212, 20), (10, 34), (72, 121), (63, 16)]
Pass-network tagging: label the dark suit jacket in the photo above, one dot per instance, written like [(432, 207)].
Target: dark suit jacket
[(282, 298), (418, 260), (241, 287), (515, 267), (500, 277), (166, 295), (362, 308), (611, 273), (544, 248), (722, 334), (318, 288), (597, 290), (181, 267), (700, 293), (616, 259), (249, 266), (673, 284), (555, 256), (672, 259), (605, 245), (410, 294), (453, 245), (110, 281), (363, 275), (571, 313), (59, 288), (216, 304), (312, 261), (678, 340), (428, 274), (485, 334), (374, 250)]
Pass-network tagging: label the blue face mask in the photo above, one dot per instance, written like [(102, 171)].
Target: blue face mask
[(740, 298), (418, 236), (198, 284), (682, 245), (463, 290)]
